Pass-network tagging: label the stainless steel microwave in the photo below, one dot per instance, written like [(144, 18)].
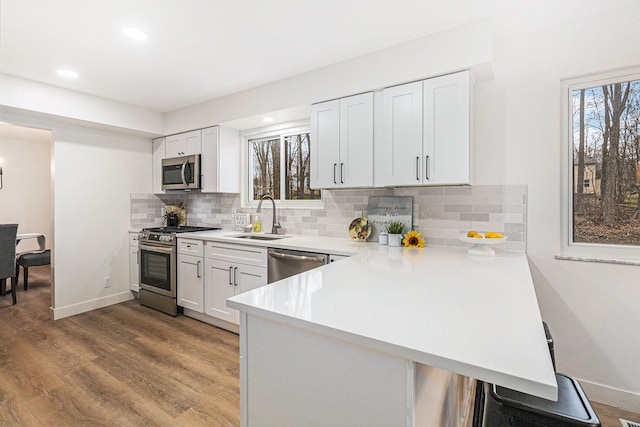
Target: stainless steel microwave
[(181, 173)]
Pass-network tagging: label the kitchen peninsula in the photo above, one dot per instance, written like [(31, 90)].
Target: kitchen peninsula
[(388, 336)]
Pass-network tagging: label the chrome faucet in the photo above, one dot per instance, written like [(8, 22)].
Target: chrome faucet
[(275, 225)]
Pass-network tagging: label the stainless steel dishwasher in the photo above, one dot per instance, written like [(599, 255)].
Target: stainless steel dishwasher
[(282, 263)]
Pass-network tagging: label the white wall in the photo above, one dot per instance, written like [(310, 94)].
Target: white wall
[(591, 308), (40, 100), (95, 172), (26, 196), (461, 48)]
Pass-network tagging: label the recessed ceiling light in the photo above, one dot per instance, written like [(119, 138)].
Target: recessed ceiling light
[(67, 73), (268, 119), (134, 33)]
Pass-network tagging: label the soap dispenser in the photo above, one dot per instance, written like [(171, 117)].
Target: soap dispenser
[(257, 225)]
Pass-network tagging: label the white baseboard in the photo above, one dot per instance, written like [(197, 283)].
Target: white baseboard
[(83, 307), (622, 399)]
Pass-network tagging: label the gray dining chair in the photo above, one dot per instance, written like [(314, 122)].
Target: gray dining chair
[(8, 234)]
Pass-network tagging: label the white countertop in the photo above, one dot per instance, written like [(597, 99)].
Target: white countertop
[(477, 316)]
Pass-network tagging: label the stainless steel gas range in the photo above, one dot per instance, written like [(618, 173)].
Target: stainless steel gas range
[(157, 254)]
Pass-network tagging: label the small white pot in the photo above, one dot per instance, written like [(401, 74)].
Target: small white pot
[(383, 238), (395, 239)]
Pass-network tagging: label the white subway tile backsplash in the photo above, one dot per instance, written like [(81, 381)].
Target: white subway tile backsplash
[(440, 213)]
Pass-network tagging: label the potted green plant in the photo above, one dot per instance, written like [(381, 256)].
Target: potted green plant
[(395, 228)]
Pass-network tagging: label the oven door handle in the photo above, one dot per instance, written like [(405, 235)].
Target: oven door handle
[(156, 248)]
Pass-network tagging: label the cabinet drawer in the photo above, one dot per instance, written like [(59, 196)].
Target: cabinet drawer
[(241, 254), (190, 247), (133, 239)]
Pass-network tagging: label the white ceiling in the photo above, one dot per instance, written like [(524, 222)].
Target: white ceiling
[(199, 50)]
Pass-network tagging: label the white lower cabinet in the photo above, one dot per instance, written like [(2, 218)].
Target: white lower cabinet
[(134, 267), (230, 270), (226, 279), (191, 274), (190, 282)]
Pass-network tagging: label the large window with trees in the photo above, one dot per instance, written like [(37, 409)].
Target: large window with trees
[(279, 166), (604, 162)]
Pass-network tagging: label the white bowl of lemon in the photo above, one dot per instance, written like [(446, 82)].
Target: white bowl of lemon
[(482, 242)]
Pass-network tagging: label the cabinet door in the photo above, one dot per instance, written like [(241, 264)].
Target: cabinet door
[(220, 160), (210, 178), (325, 144), (401, 147), (183, 144), (446, 129), (174, 146), (156, 167), (192, 142), (190, 282), (356, 141), (248, 277), (219, 285), (134, 269)]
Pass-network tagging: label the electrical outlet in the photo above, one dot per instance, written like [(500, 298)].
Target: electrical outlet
[(358, 214), (107, 282), (234, 211)]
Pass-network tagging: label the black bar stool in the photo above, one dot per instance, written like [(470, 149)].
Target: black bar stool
[(496, 406), (503, 407)]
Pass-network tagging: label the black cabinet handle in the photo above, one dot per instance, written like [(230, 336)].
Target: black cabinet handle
[(426, 167)]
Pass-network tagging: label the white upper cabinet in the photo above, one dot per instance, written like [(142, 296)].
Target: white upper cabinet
[(401, 146), (446, 129), (220, 160), (426, 133), (342, 142), (325, 144), (183, 144)]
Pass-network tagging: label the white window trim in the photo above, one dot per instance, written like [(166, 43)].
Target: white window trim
[(269, 131), (570, 250)]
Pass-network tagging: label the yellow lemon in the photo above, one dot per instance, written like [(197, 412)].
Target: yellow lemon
[(493, 235), (472, 233)]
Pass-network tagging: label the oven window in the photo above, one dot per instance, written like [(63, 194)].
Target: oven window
[(155, 269)]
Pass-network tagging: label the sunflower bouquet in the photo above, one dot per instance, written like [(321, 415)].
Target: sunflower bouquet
[(413, 240)]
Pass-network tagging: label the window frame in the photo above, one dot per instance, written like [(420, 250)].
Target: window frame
[(280, 131), (598, 252)]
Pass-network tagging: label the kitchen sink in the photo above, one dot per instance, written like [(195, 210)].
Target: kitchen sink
[(259, 236)]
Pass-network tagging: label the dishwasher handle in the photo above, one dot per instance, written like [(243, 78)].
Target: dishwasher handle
[(297, 257)]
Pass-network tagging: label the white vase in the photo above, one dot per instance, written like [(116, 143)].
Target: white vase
[(395, 239), (383, 238)]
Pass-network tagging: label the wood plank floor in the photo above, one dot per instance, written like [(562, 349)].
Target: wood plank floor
[(123, 365)]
